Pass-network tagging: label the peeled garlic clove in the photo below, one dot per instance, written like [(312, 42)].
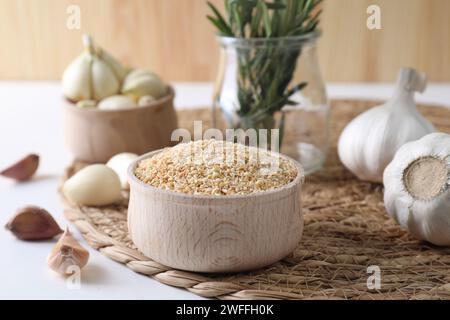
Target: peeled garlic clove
[(90, 76), (94, 185), (33, 223), (66, 254), (117, 102), (140, 83), (136, 73), (86, 104), (145, 101), (24, 169), (417, 188), (120, 163), (369, 142)]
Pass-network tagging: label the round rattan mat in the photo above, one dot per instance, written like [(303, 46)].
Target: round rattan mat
[(346, 231)]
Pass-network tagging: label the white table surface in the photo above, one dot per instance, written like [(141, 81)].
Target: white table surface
[(29, 122)]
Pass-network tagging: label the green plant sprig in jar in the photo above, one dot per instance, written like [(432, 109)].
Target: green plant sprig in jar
[(265, 76)]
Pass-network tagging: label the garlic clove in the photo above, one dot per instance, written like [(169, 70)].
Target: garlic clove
[(104, 82), (417, 188), (67, 253), (146, 100), (86, 104), (94, 185), (119, 70), (33, 223), (136, 73), (117, 102), (22, 170), (76, 79), (120, 163), (140, 83)]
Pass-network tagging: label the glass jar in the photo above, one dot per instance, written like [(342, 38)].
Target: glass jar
[(275, 84)]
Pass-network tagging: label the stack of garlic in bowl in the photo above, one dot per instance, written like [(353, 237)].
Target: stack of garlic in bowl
[(112, 109), (97, 79)]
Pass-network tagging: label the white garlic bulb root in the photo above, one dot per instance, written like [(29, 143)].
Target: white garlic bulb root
[(369, 142), (120, 163), (94, 185), (117, 102), (417, 188)]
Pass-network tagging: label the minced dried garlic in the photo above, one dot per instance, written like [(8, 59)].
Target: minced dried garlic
[(213, 167)]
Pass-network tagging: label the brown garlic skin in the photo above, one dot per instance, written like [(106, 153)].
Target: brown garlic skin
[(22, 170), (33, 223), (66, 253)]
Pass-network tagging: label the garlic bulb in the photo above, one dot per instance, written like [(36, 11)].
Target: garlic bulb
[(94, 75), (120, 163), (417, 188), (117, 102), (369, 142), (94, 185), (140, 83)]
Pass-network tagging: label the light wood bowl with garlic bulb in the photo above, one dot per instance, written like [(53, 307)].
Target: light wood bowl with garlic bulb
[(95, 135)]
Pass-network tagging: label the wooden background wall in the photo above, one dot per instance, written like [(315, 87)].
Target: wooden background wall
[(173, 37)]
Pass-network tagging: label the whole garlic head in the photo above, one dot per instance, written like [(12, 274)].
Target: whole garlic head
[(117, 102), (417, 188), (140, 83), (94, 75), (94, 185), (120, 163), (369, 142)]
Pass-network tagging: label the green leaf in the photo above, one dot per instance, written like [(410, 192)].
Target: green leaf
[(219, 18), (266, 18), (256, 21), (275, 5), (223, 29)]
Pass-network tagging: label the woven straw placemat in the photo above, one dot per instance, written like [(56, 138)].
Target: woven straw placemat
[(346, 230)]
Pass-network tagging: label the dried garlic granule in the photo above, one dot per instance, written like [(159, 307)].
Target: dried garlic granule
[(215, 167)]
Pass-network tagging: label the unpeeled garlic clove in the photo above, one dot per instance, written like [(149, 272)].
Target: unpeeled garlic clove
[(67, 253), (33, 223), (22, 170)]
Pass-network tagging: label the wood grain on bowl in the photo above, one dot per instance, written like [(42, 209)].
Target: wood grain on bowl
[(207, 233), (94, 135)]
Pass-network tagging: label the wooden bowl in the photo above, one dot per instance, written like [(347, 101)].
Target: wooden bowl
[(214, 233), (95, 135)]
